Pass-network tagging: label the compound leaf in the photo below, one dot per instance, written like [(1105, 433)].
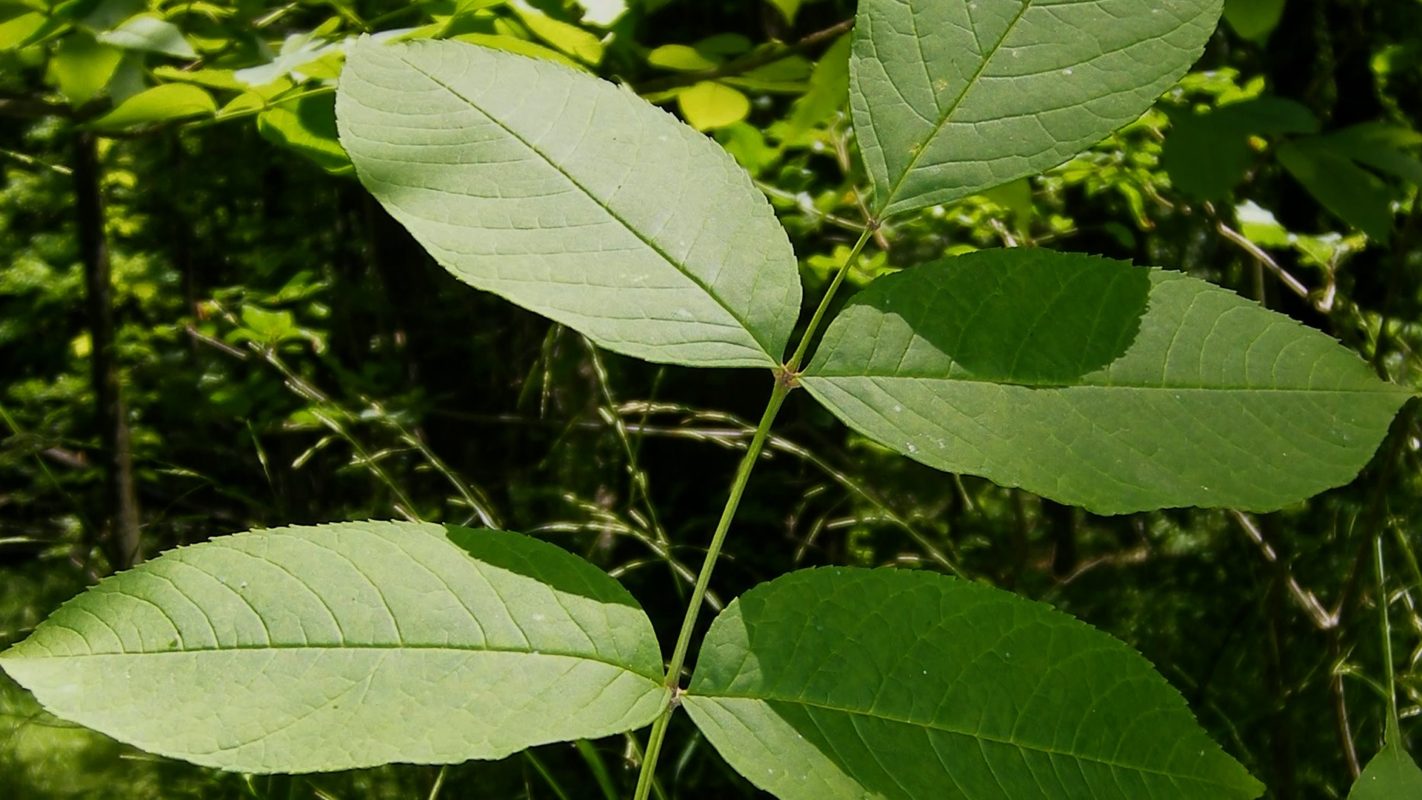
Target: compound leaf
[(1100, 384), (845, 683), (951, 98), (349, 645), (573, 198)]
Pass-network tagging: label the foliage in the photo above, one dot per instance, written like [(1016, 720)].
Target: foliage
[(288, 356)]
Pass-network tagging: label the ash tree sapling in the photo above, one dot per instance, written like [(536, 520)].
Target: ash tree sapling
[(1113, 387)]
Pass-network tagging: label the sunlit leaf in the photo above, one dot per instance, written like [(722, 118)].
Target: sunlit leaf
[(82, 67), (573, 198), (1099, 384), (170, 101), (349, 645), (709, 105), (950, 98), (570, 39), (840, 683)]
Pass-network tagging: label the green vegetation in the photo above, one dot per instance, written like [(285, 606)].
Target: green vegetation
[(210, 326)]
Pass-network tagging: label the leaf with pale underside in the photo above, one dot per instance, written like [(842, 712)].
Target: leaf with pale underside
[(951, 98), (573, 198), (349, 645), (842, 683), (1099, 384)]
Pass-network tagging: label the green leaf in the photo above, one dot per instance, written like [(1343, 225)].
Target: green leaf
[(1380, 146), (950, 98), (308, 126), (827, 95), (1207, 154), (19, 28), (573, 198), (82, 67), (1348, 191), (567, 38), (788, 8), (1254, 19), (1099, 384), (159, 104), (513, 44), (680, 57), (149, 34), (1391, 775), (709, 105), (844, 683), (349, 645)]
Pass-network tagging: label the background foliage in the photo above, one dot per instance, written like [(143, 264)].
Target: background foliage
[(286, 354)]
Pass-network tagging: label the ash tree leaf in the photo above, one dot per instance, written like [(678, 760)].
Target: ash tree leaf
[(349, 645), (951, 98), (573, 198), (1207, 154), (1099, 384), (1254, 19), (307, 125), (1390, 775), (709, 105), (854, 683)]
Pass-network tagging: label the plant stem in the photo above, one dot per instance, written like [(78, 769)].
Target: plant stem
[(784, 383), (1394, 735), (793, 365), (703, 580)]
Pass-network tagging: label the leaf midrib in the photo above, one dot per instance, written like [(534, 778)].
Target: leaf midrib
[(1385, 388), (971, 735), (953, 107), (650, 243), (656, 679)]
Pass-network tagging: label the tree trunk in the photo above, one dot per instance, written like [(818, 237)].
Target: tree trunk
[(121, 538)]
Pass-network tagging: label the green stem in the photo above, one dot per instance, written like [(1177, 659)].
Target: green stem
[(784, 383), (793, 365), (703, 580), (1394, 734)]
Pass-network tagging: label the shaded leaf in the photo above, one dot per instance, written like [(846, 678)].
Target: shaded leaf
[(1207, 154), (573, 198), (907, 685), (308, 126), (159, 104), (1254, 19), (1390, 775), (1348, 191), (348, 645), (1099, 384), (827, 95), (1382, 147), (950, 98)]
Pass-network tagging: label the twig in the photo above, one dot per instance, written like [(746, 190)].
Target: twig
[(1307, 600), (746, 63)]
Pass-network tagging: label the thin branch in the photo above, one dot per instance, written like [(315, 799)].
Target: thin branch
[(746, 63)]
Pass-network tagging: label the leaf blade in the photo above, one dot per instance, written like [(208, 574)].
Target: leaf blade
[(342, 646), (605, 214), (1039, 83), (1390, 774), (898, 684), (1100, 384)]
